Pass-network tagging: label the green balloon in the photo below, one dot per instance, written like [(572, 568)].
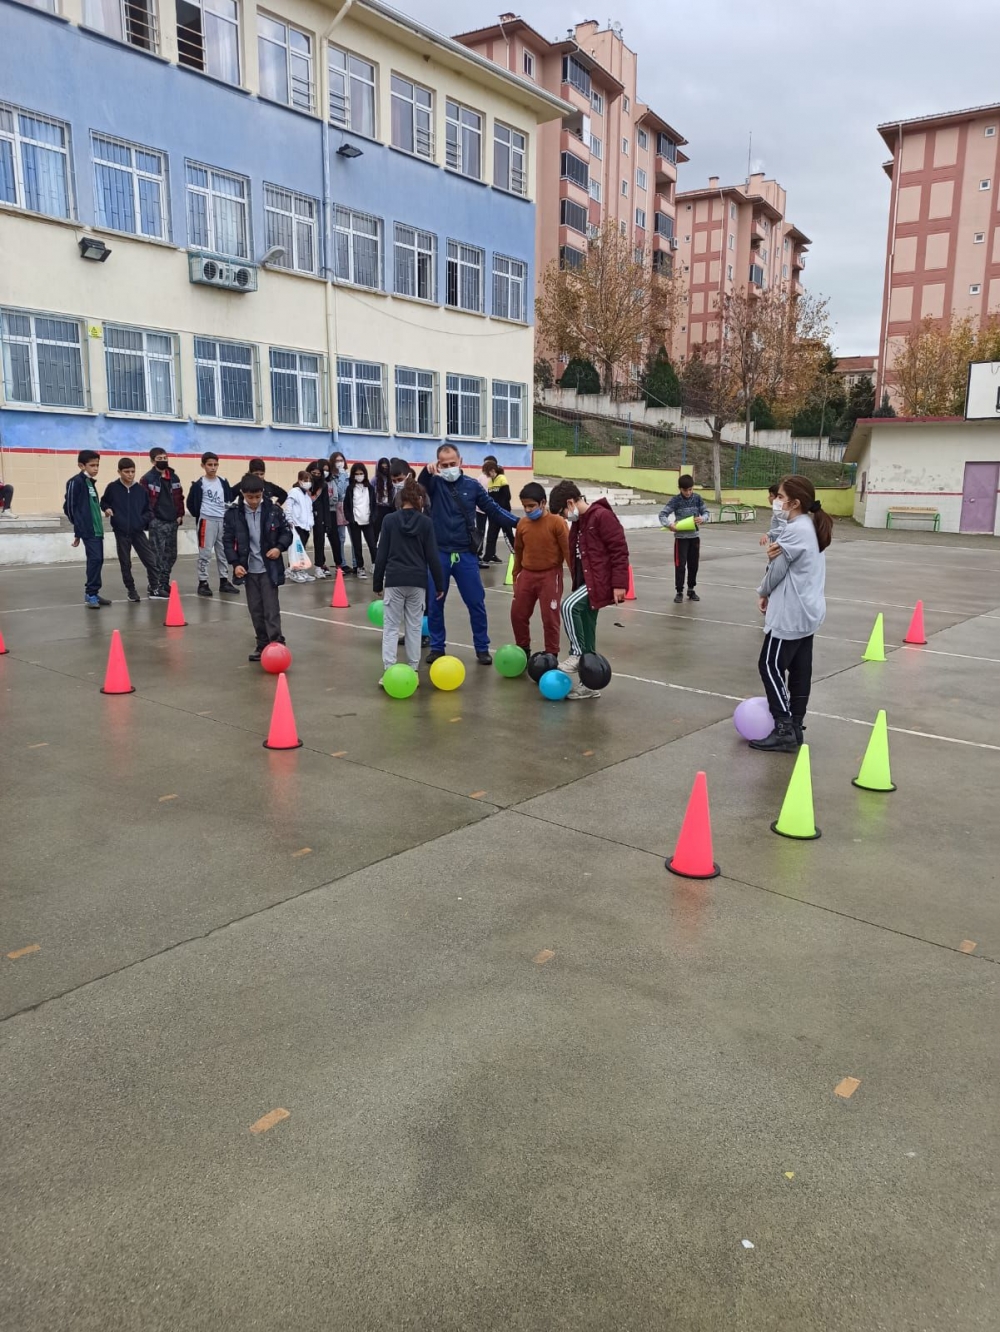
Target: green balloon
[(400, 680), (376, 613), (511, 661)]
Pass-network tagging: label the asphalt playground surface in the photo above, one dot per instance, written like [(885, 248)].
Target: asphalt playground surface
[(527, 1078)]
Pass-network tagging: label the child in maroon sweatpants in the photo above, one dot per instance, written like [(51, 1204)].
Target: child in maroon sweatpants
[(541, 548)]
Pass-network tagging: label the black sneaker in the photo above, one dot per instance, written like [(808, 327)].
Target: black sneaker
[(255, 654), (693, 595), (160, 594), (679, 598), (780, 741), (435, 655), (484, 659), (103, 601), (204, 590), (495, 559), (226, 586), (133, 595)]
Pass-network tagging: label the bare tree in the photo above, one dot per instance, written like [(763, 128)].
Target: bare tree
[(931, 368), (611, 309)]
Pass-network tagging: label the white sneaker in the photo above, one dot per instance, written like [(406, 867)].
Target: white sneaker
[(6, 513), (307, 577), (323, 573), (581, 691), (570, 665), (362, 574)]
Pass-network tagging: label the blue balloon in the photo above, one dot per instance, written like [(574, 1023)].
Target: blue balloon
[(424, 627), (555, 685)]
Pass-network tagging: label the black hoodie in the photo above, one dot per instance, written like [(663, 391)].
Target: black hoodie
[(407, 552)]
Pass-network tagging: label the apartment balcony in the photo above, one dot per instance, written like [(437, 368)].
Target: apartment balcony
[(575, 240), (665, 171), (576, 98), (799, 261), (571, 139), (569, 189), (758, 231), (663, 203), (757, 279)]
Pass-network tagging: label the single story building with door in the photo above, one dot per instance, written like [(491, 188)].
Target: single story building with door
[(936, 464)]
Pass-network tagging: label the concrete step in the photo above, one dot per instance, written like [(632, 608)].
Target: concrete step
[(27, 522)]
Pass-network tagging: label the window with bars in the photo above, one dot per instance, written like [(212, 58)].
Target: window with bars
[(508, 410), (290, 222), (352, 92), (575, 169), (416, 402), (361, 395), (297, 396), (218, 213), (412, 117), (465, 277), (208, 37), (43, 360), (225, 376), (572, 215), (357, 239), (46, 6), (34, 162), (132, 21), (141, 368), (510, 156), (510, 288), (130, 187), (285, 61), (465, 406), (463, 140), (415, 263)]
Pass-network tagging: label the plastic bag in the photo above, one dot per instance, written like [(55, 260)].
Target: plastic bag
[(298, 556)]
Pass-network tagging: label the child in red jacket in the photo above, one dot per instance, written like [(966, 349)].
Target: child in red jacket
[(599, 560)]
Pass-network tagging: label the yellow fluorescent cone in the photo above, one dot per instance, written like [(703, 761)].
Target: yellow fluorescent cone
[(509, 580), (796, 818), (686, 525), (874, 774), (875, 651)]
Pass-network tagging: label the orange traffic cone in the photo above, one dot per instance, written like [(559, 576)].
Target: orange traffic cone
[(915, 633), (116, 677), (175, 615), (630, 594), (692, 858), (282, 734), (339, 599), (4, 649)]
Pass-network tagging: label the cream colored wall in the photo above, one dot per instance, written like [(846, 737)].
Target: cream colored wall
[(925, 466)]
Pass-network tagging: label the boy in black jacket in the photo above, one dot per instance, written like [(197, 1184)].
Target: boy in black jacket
[(126, 504), (256, 533), (272, 490), (407, 554), (166, 503), (82, 507), (206, 503)]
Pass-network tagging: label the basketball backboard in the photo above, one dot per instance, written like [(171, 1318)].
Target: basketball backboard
[(982, 396)]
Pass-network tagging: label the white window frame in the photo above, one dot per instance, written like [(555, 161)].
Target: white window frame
[(355, 376), (516, 144), (643, 139), (986, 184), (303, 373), (626, 104), (459, 255), (301, 92), (214, 198), (624, 189), (150, 356), (208, 62), (975, 289), (350, 80), (732, 241), (458, 392), (640, 179), (596, 147), (134, 22), (136, 174), (640, 218), (420, 250), (216, 364), (624, 147), (979, 238), (510, 289), (345, 223), (990, 131), (595, 189), (729, 272), (424, 387), (294, 213), (784, 271), (33, 341), (528, 64), (419, 111), (455, 137), (506, 396), (14, 135), (732, 212), (596, 102)]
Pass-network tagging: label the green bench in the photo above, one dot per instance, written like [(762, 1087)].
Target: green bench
[(913, 511)]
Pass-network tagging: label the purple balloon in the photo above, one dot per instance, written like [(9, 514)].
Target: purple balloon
[(753, 719)]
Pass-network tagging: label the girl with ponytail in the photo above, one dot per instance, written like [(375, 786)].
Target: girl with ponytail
[(793, 602)]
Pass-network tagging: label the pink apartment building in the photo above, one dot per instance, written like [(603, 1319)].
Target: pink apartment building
[(943, 249), (614, 158), (732, 237)]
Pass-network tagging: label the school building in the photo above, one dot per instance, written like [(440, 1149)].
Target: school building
[(264, 232)]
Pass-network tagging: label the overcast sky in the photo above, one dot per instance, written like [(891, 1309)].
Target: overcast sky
[(811, 79)]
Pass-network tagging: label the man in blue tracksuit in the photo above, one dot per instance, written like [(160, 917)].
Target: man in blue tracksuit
[(454, 499)]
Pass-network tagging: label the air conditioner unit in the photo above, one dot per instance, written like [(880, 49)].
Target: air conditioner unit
[(209, 272), (674, 243)]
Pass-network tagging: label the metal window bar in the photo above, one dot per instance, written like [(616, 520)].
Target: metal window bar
[(42, 360), (208, 37), (225, 377), (290, 222), (34, 161), (140, 369)]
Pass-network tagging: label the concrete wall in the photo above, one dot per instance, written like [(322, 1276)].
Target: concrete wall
[(617, 469), (923, 465)]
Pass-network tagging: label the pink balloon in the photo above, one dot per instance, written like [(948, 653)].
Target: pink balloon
[(276, 658), (753, 719)]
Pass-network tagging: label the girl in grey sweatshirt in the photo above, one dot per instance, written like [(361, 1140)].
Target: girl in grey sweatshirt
[(792, 600)]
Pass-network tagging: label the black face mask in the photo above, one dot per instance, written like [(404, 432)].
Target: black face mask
[(162, 465)]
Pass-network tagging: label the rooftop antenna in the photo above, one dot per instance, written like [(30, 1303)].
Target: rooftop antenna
[(749, 155)]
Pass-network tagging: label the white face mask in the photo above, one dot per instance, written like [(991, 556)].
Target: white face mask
[(304, 485), (572, 515), (450, 473), (777, 506)]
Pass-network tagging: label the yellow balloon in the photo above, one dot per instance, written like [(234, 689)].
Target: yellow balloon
[(447, 673)]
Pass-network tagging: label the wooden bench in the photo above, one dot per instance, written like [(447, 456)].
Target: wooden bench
[(913, 511)]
